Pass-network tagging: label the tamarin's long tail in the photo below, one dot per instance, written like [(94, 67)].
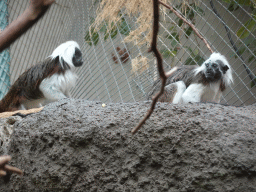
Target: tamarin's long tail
[(10, 102)]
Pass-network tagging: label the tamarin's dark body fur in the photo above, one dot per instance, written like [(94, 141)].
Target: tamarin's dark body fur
[(196, 84), (48, 80)]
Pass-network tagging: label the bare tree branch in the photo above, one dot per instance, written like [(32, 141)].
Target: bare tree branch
[(159, 65), (189, 23), (34, 12)]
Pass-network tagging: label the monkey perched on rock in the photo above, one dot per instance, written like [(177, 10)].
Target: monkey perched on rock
[(47, 81), (196, 84)]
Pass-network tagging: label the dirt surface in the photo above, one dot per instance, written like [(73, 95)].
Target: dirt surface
[(77, 145)]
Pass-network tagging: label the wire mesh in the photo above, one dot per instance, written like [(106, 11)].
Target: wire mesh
[(5, 55), (106, 77)]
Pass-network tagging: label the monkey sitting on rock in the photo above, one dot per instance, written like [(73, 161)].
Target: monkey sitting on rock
[(204, 83), (47, 81)]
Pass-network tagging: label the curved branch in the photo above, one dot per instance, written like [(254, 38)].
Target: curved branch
[(25, 21), (159, 65), (189, 23)]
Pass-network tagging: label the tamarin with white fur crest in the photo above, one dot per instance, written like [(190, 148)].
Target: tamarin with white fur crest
[(204, 83), (47, 81)]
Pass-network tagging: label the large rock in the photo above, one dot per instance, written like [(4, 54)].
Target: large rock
[(77, 145), (6, 130)]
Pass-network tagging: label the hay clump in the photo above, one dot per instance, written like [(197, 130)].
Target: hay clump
[(139, 65), (140, 11), (109, 10)]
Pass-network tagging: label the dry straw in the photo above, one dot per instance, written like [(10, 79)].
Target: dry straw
[(139, 64), (109, 10), (141, 11)]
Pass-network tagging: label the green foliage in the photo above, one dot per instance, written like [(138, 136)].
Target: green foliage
[(250, 25), (174, 44), (197, 9), (191, 11), (253, 84), (234, 5), (194, 58), (180, 22), (174, 37), (124, 27), (166, 53), (252, 58), (188, 31), (93, 37), (244, 32), (96, 2), (249, 42)]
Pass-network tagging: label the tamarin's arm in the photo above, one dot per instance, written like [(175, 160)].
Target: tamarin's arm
[(29, 17)]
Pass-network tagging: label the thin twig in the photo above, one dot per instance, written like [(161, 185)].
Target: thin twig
[(159, 65), (189, 23)]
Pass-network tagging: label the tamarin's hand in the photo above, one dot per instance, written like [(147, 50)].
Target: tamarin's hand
[(4, 167)]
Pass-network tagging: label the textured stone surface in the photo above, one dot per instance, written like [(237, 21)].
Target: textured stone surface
[(77, 145), (6, 130)]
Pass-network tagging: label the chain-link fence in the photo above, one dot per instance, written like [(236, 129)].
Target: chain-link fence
[(108, 74), (5, 55)]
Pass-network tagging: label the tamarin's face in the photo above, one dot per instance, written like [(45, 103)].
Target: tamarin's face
[(70, 53), (214, 70), (77, 58)]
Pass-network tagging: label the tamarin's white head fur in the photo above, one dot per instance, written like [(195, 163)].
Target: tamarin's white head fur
[(192, 83), (47, 81), (216, 67), (68, 52)]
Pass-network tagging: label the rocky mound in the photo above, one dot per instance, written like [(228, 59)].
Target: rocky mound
[(77, 145)]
